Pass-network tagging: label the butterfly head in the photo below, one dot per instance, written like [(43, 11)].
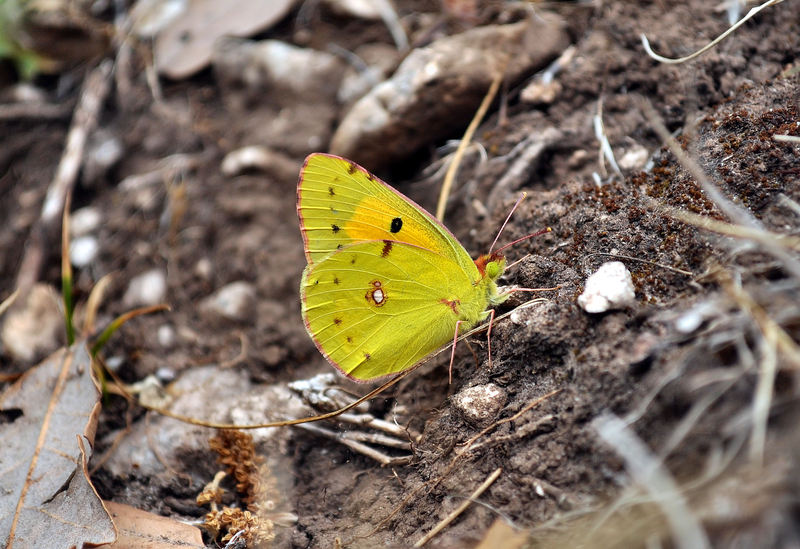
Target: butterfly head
[(491, 265)]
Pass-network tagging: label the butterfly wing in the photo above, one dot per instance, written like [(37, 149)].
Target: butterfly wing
[(340, 203), (376, 308)]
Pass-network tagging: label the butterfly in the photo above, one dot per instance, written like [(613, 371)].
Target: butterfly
[(386, 283)]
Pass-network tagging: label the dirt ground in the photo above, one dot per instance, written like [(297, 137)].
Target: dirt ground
[(681, 366)]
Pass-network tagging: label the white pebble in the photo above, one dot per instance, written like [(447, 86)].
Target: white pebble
[(611, 287), (166, 335), (148, 288), (83, 251), (84, 221), (480, 403), (236, 301)]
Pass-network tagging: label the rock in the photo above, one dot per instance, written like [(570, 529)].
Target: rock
[(83, 251), (480, 404), (611, 287), (149, 288), (363, 9), (166, 335), (84, 221), (34, 326), (259, 158), (437, 89), (236, 301), (104, 151)]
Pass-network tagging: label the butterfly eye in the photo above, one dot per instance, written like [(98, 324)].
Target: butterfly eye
[(492, 269)]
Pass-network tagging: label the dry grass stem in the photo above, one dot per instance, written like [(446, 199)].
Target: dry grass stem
[(460, 509), (650, 473), (720, 38)]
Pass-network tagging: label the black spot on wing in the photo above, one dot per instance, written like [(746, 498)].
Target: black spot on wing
[(397, 224), (335, 228), (331, 192)]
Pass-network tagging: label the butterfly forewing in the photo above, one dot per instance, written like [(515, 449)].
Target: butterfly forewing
[(340, 203), (376, 308)]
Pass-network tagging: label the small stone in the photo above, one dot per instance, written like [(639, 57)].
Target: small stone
[(363, 9), (84, 221), (34, 327), (634, 158), (83, 251), (481, 403), (611, 287), (104, 150), (166, 335), (236, 301), (204, 268), (148, 288)]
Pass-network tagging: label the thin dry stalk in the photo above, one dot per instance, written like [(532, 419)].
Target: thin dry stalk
[(93, 95), (650, 473), (460, 509), (450, 176), (720, 38)]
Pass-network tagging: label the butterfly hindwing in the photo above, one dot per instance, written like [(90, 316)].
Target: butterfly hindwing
[(375, 308)]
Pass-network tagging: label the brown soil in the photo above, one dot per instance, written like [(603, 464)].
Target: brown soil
[(635, 363)]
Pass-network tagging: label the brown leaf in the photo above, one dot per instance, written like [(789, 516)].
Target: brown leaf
[(50, 416), (185, 46), (142, 530)]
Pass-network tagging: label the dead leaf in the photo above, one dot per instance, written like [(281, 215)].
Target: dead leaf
[(500, 534), (142, 530), (185, 45), (50, 416)]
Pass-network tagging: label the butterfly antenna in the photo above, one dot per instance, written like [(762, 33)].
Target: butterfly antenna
[(520, 199), (526, 237)]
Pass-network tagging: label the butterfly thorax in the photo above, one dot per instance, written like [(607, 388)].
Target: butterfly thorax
[(490, 267)]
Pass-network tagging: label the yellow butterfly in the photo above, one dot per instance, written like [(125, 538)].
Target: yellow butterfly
[(386, 283)]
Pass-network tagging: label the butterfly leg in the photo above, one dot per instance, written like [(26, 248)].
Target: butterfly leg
[(489, 336), (453, 351)]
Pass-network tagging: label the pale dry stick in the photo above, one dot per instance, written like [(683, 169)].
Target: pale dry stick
[(93, 94), (35, 110), (777, 339), (392, 21), (759, 236), (377, 438), (654, 263), (450, 176), (789, 203), (460, 509), (737, 214), (605, 146), (369, 420), (7, 302), (651, 474), (356, 446), (720, 38), (786, 138), (762, 402)]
